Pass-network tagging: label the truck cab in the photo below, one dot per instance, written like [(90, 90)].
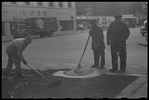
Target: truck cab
[(34, 26)]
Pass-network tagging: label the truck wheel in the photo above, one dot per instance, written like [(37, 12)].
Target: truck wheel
[(42, 35)]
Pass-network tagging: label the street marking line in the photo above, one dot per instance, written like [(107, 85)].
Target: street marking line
[(132, 88)]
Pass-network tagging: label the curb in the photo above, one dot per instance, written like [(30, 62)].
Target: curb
[(131, 90), (143, 44)]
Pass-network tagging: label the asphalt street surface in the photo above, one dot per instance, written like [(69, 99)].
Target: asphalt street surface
[(51, 54)]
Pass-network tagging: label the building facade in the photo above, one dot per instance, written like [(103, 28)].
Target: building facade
[(107, 8), (105, 11), (14, 14)]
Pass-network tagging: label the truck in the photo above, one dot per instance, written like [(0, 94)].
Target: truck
[(41, 26)]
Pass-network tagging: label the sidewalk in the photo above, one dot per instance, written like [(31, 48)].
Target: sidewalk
[(143, 42), (138, 89)]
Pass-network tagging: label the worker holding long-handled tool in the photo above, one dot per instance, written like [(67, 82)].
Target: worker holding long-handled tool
[(98, 45), (14, 51), (79, 65)]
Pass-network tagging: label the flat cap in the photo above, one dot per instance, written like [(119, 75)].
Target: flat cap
[(118, 16)]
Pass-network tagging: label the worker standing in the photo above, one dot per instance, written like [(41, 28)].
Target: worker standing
[(117, 34), (98, 45)]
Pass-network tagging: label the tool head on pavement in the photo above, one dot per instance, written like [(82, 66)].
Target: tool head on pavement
[(78, 68), (51, 83), (79, 65)]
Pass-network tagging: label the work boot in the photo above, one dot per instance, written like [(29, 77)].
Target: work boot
[(113, 70), (101, 67), (122, 71), (93, 66)]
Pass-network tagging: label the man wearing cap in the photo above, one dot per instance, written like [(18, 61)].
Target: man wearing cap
[(117, 34), (14, 51), (23, 34), (98, 45)]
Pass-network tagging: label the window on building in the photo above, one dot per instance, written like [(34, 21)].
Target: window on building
[(60, 4), (51, 4), (39, 3), (27, 3), (69, 5), (13, 2)]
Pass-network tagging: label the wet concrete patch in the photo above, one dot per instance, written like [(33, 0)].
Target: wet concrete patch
[(33, 82), (109, 86), (102, 86)]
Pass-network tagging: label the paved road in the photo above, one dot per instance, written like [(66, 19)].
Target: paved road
[(68, 48), (64, 51)]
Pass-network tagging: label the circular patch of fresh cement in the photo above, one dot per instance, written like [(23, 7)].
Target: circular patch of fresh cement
[(83, 73)]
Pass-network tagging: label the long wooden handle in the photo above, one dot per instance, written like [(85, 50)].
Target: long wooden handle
[(38, 73), (84, 49)]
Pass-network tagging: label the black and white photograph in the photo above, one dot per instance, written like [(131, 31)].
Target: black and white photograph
[(76, 50)]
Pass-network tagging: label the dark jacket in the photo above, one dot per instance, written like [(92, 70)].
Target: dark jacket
[(97, 37), (17, 47), (117, 31)]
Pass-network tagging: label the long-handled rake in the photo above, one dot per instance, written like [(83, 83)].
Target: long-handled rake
[(79, 65), (51, 83)]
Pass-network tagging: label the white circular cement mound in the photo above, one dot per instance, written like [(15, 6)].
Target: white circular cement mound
[(82, 74)]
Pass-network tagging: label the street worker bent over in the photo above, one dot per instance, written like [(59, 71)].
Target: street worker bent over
[(117, 34), (98, 45), (14, 51)]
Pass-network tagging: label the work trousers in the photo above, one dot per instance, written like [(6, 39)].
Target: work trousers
[(12, 58), (118, 48), (97, 53)]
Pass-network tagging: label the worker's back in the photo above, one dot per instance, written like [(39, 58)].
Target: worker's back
[(14, 45)]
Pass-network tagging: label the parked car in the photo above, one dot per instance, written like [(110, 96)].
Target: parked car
[(143, 29)]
